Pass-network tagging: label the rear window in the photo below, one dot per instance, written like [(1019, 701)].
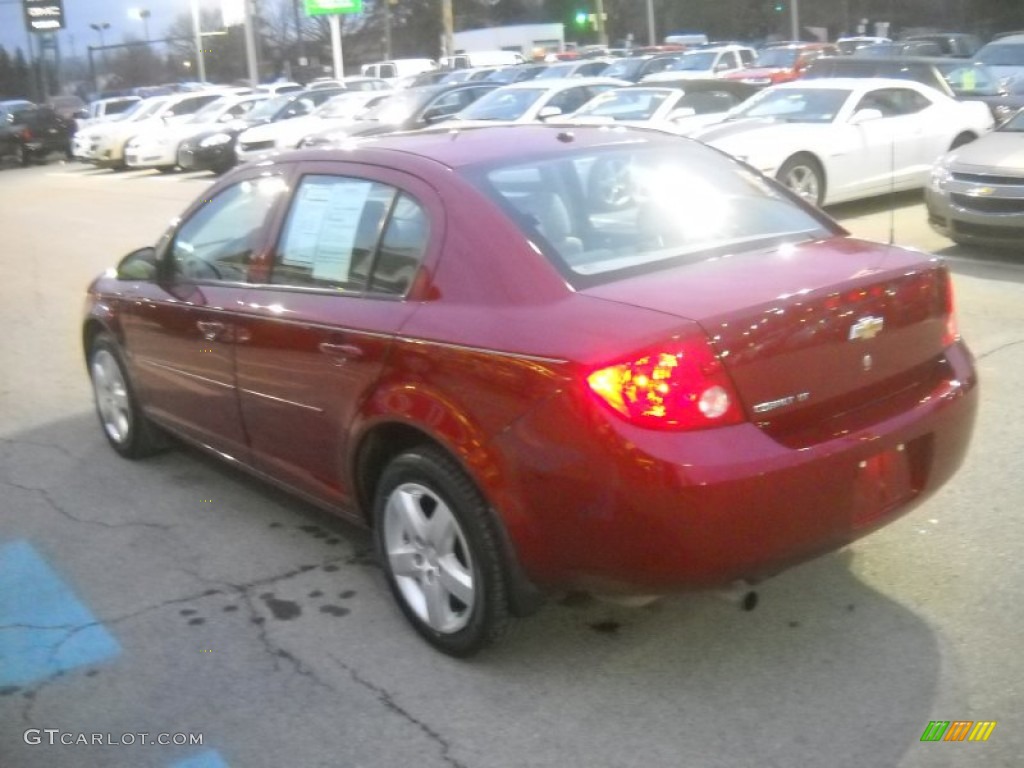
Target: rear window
[(600, 215)]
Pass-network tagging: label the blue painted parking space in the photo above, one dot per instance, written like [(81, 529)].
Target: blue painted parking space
[(44, 628)]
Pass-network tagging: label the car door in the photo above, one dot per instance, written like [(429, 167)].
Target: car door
[(180, 330), (317, 331), (885, 151)]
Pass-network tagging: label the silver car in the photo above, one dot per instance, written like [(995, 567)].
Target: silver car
[(976, 192)]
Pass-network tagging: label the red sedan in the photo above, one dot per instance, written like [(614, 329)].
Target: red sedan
[(534, 358)]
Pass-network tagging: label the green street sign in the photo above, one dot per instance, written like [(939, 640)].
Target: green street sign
[(325, 7)]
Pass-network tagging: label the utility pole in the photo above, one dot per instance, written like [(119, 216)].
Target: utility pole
[(197, 32), (652, 38), (250, 44), (794, 19), (602, 33), (298, 33), (448, 24)]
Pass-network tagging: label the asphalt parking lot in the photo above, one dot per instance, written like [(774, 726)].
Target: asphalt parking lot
[(176, 597)]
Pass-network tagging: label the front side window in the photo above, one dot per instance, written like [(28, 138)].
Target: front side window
[(603, 214), (798, 105), (218, 241), (351, 236)]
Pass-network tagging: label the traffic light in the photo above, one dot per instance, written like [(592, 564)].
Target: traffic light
[(581, 18)]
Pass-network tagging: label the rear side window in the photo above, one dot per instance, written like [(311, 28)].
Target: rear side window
[(351, 235)]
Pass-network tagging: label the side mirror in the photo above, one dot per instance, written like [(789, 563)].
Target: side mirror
[(681, 112), (547, 112), (435, 115), (865, 116), (138, 265), (227, 117)]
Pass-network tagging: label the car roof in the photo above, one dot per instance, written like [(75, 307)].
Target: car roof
[(1009, 39), (850, 83), (464, 147)]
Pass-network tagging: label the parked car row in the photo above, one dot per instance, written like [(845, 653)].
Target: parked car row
[(30, 132)]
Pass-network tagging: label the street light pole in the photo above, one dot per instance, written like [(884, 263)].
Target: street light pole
[(198, 34), (794, 19), (602, 32), (448, 23), (652, 38)]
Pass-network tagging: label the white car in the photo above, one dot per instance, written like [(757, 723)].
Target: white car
[(109, 140), (532, 100), (86, 142), (156, 146), (102, 110), (706, 62), (286, 134), (677, 110), (833, 140)]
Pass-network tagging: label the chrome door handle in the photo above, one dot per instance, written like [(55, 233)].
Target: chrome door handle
[(350, 351), (210, 329)]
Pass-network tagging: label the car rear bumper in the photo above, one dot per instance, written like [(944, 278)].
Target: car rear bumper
[(638, 510)]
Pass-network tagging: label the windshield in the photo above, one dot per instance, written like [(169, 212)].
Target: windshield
[(347, 105), (211, 111), (625, 104), (394, 110), (269, 108), (794, 105), (502, 104), (556, 70), (624, 68), (643, 209), (146, 109), (693, 62), (970, 78), (1001, 55), (1014, 125), (777, 57)]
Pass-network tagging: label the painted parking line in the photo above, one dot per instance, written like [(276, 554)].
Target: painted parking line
[(208, 759), (44, 629)]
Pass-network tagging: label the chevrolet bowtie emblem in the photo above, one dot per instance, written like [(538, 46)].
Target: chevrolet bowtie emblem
[(866, 328)]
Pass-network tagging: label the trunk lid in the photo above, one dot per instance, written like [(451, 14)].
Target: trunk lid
[(811, 333)]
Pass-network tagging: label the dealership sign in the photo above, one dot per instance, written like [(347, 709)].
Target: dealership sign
[(44, 15), (323, 7)]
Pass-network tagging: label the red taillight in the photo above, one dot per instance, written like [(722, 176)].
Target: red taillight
[(952, 331), (679, 385), (26, 134)]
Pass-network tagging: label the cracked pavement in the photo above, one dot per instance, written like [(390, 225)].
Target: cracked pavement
[(264, 624)]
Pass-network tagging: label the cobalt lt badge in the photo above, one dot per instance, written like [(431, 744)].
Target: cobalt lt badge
[(866, 328)]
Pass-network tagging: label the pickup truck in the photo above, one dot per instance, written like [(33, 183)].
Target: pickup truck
[(30, 132)]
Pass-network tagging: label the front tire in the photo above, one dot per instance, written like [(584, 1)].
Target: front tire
[(440, 552), (803, 176), (126, 428)]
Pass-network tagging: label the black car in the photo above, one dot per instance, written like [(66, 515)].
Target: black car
[(215, 149), (957, 44), (407, 110), (957, 78), (31, 132)]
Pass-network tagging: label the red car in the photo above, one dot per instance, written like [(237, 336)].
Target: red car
[(782, 63), (535, 358)]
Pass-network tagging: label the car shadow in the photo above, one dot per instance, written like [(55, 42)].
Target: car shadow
[(826, 670), (874, 205)]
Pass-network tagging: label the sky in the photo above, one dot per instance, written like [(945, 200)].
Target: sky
[(79, 14)]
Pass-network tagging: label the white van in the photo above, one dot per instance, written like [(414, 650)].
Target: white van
[(396, 68), (482, 59)]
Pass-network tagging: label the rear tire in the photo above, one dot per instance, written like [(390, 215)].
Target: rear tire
[(124, 425), (803, 175), (440, 552)]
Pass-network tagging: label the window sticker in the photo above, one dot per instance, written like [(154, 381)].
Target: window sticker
[(323, 228)]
